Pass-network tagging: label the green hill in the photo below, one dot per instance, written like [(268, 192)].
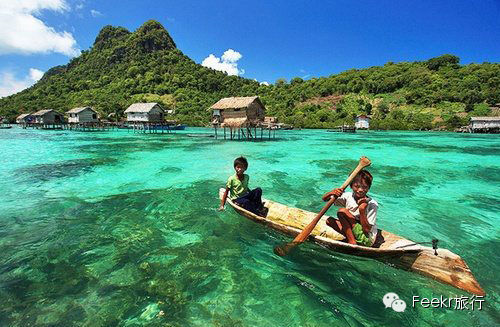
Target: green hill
[(123, 67), (408, 95)]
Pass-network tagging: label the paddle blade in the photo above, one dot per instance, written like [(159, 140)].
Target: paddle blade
[(283, 250)]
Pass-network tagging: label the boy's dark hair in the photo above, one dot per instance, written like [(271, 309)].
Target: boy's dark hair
[(365, 176), (241, 161)]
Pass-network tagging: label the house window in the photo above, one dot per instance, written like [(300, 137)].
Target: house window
[(94, 116)]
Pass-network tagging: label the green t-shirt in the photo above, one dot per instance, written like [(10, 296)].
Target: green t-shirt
[(237, 187)]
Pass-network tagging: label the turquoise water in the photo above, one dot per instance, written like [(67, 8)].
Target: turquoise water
[(121, 229)]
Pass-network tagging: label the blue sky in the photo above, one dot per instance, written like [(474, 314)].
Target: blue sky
[(269, 39)]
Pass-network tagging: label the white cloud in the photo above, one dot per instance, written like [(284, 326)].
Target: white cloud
[(35, 74), (33, 6), (9, 84), (228, 63), (231, 56), (22, 32), (95, 13), (262, 83)]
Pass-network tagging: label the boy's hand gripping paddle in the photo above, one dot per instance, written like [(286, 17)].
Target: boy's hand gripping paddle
[(283, 250)]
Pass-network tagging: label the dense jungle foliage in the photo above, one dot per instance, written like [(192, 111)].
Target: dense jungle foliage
[(124, 67)]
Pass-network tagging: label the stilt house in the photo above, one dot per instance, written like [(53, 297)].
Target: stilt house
[(362, 122), (484, 124), (25, 119), (145, 113), (82, 115), (238, 112), (48, 116)]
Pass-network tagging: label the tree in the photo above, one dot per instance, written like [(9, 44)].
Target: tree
[(281, 82), (454, 122), (383, 108), (133, 71), (471, 97), (296, 80), (444, 60), (481, 109), (368, 108)]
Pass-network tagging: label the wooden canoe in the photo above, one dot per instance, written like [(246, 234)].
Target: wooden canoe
[(446, 266)]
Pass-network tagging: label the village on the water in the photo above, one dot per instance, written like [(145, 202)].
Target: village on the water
[(242, 116)]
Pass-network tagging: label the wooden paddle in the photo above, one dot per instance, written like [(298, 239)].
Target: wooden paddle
[(283, 250)]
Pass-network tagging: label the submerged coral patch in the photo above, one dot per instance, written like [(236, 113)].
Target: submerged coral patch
[(62, 169)]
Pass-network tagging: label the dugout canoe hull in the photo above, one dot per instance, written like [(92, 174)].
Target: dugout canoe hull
[(446, 267)]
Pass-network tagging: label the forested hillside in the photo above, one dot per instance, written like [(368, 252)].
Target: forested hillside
[(124, 67)]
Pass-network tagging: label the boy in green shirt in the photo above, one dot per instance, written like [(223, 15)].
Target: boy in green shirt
[(237, 186)]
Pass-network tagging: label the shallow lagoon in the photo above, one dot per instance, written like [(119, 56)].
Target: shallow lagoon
[(110, 229)]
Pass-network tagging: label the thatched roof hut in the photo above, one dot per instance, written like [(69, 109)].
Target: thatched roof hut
[(236, 103), (242, 111)]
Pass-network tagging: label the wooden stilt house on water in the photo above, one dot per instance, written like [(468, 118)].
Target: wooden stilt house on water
[(241, 115), (48, 119), (25, 119), (147, 117), (484, 125), (86, 119), (82, 115), (273, 123), (362, 122), (4, 123), (145, 112)]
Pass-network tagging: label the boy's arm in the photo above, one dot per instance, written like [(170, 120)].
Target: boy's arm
[(223, 200), (337, 192), (363, 217)]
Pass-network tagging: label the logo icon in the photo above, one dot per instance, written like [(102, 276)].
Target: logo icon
[(392, 300)]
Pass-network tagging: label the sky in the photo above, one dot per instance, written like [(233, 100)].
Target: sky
[(262, 40)]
